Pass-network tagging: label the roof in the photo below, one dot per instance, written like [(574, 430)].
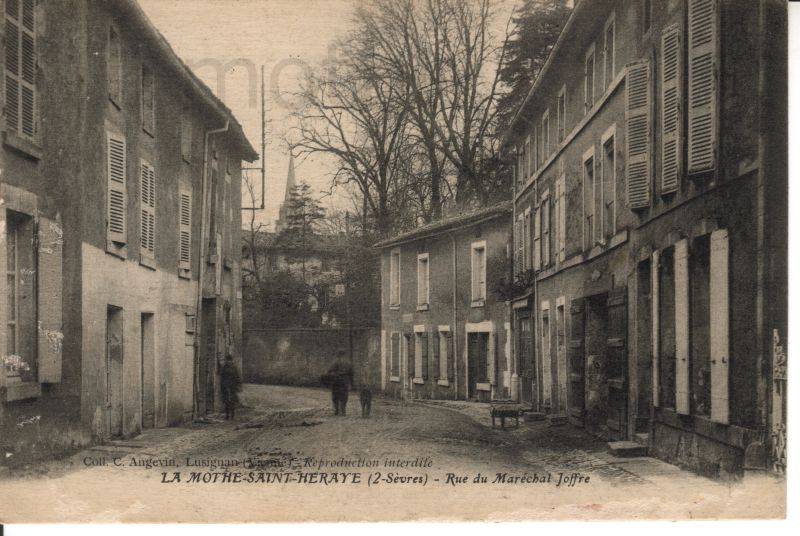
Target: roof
[(577, 11), (459, 220), (133, 14)]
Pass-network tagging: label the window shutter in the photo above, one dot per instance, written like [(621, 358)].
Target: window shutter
[(562, 218), (49, 300), (423, 341), (411, 362), (703, 65), (185, 230), (117, 198), (671, 98), (148, 209), (491, 361), (451, 357), (637, 120), (720, 318), (546, 233), (654, 341), (682, 327), (537, 239), (20, 60)]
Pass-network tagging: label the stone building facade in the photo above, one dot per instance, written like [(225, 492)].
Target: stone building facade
[(650, 226), (121, 212), (444, 329)]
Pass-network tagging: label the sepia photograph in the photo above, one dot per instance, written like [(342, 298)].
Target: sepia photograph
[(277, 261)]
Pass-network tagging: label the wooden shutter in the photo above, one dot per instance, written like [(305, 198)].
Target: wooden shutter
[(637, 121), (424, 347), (546, 233), (671, 99), (720, 318), (394, 356), (654, 341), (185, 230), (562, 218), (148, 209), (491, 360), (117, 189), (576, 356), (537, 239), (411, 362), (20, 56), (49, 300), (682, 327), (703, 82)]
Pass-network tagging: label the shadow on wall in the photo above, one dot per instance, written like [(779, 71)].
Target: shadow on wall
[(301, 356)]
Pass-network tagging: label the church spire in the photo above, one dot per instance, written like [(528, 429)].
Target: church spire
[(291, 183)]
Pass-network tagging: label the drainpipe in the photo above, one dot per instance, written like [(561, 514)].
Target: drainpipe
[(513, 389), (455, 318), (201, 268)]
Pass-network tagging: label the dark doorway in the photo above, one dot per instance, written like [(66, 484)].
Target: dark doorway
[(148, 345), (527, 375), (477, 357), (596, 414), (208, 357), (576, 385), (114, 362), (616, 364)]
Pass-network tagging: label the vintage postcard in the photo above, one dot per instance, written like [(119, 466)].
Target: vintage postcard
[(393, 260)]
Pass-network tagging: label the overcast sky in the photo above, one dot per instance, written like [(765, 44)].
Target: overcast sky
[(283, 35)]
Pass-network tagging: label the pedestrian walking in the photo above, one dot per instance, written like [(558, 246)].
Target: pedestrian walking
[(231, 385), (340, 377)]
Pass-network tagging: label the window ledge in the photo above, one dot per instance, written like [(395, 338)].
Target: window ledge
[(423, 307), (184, 273), (419, 381), (477, 303), (395, 307), (395, 379), (22, 391), (28, 148), (483, 386), (147, 262), (213, 259), (443, 383), (116, 249)]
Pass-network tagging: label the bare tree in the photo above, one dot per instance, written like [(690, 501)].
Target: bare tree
[(253, 238)]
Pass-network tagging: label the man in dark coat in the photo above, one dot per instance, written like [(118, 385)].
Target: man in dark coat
[(340, 376), (231, 385)]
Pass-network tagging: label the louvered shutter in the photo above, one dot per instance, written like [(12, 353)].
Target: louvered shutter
[(637, 120), (720, 335), (491, 358), (546, 233), (562, 218), (655, 333), (20, 56), (682, 327), (424, 347), (537, 239), (49, 300), (703, 65), (117, 197), (148, 209), (185, 230), (671, 99)]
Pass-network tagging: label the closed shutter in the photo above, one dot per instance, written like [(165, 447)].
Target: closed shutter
[(654, 342), (117, 188), (491, 361), (185, 230), (437, 355), (720, 318), (703, 80), (671, 118), (525, 243), (637, 121), (562, 218), (49, 300), (394, 356), (148, 210), (537, 239), (20, 60), (410, 357), (682, 327), (423, 342), (546, 233)]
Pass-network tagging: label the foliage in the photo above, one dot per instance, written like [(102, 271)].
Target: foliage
[(304, 218)]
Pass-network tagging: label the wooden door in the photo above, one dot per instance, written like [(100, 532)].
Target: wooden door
[(576, 387), (616, 364), (477, 350), (527, 375)]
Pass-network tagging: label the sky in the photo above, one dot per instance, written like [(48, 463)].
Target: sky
[(237, 37)]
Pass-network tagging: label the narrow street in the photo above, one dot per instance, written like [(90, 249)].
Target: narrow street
[(286, 430)]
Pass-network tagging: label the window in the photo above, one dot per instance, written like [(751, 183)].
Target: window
[(589, 192), (444, 348), (699, 329), (609, 52), (20, 56), (148, 210), (114, 67), (394, 357), (423, 280), (394, 278), (185, 229), (186, 135), (529, 165), (561, 114), (588, 80), (148, 95), (519, 248), (545, 136), (547, 380), (478, 273), (609, 190), (21, 310), (526, 239), (545, 210), (537, 239), (666, 327), (420, 354), (116, 160), (561, 217)]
